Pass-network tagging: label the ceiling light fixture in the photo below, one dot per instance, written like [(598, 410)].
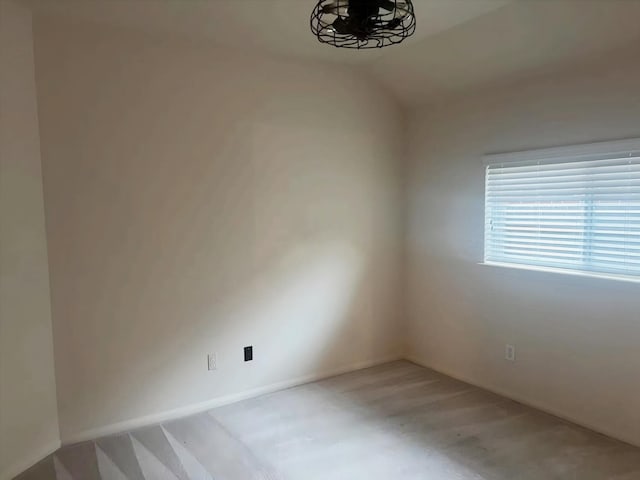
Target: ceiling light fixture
[(363, 24)]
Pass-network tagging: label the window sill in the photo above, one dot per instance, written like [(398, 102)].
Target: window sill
[(563, 271)]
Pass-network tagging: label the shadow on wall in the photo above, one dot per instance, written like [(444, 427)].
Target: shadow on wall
[(302, 313), (297, 313)]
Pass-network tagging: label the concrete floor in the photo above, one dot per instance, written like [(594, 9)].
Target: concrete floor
[(395, 421)]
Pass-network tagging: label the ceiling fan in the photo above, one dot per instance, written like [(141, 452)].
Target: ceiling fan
[(362, 24)]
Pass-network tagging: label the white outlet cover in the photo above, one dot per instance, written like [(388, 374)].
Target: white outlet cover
[(510, 353), (212, 364)]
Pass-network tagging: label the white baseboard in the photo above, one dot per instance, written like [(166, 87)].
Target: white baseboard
[(27, 462), (192, 409), (538, 406)]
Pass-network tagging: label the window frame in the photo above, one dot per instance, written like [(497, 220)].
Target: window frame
[(563, 154)]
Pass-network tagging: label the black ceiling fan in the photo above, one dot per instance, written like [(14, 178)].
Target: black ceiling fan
[(363, 23)]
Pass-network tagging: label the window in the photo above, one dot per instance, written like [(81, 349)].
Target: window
[(574, 209)]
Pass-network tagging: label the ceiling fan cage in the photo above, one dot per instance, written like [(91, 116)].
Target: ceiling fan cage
[(363, 24)]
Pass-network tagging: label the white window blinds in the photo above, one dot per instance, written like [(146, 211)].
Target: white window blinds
[(576, 210)]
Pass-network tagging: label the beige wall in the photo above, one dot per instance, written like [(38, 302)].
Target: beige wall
[(200, 200), (28, 418), (576, 338)]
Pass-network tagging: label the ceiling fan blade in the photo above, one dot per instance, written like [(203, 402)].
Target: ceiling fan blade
[(334, 8), (388, 5), (401, 9), (340, 25), (395, 23), (390, 25)]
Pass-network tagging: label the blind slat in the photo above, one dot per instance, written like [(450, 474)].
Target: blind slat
[(554, 166), (609, 242), (508, 179), (583, 187)]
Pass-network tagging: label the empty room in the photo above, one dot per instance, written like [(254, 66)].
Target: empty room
[(319, 239)]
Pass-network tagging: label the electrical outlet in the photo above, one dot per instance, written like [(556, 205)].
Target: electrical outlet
[(510, 353), (248, 353), (212, 363)]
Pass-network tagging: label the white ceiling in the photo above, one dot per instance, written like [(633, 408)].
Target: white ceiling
[(526, 37), (459, 44)]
